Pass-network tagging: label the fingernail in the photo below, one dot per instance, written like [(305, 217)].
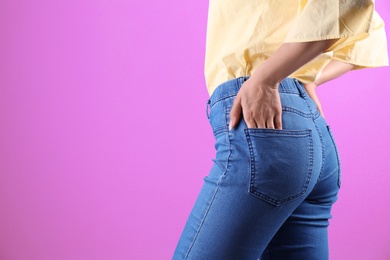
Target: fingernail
[(230, 126)]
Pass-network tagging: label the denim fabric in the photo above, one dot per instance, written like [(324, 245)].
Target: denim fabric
[(269, 193)]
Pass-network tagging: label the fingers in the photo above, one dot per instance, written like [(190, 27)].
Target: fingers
[(271, 122), (278, 121), (260, 107), (250, 121), (235, 113)]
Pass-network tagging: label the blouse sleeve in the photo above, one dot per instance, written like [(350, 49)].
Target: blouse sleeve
[(369, 52), (348, 20)]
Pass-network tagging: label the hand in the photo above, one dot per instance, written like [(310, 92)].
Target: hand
[(258, 98), (260, 105), (311, 91)]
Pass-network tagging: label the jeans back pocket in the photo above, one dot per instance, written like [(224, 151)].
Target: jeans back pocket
[(281, 163)]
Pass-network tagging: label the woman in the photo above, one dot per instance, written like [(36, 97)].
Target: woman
[(276, 173)]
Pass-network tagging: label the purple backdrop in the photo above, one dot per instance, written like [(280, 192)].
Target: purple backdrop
[(104, 139)]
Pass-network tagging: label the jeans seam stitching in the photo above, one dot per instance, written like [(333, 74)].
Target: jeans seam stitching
[(321, 139), (292, 110), (323, 151), (337, 156), (215, 193), (203, 219), (213, 102)]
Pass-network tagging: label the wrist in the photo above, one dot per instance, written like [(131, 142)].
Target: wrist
[(263, 76)]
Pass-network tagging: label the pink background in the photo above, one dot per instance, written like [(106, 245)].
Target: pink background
[(104, 139)]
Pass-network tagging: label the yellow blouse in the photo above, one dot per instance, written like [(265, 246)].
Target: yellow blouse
[(243, 34)]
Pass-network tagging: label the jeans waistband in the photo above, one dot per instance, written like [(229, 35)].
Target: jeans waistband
[(231, 87)]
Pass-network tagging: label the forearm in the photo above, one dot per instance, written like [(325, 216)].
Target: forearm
[(287, 59), (333, 70)]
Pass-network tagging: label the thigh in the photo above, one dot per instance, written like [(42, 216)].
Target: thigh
[(304, 235)]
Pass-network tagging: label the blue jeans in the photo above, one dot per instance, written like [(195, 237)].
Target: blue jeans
[(269, 193)]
